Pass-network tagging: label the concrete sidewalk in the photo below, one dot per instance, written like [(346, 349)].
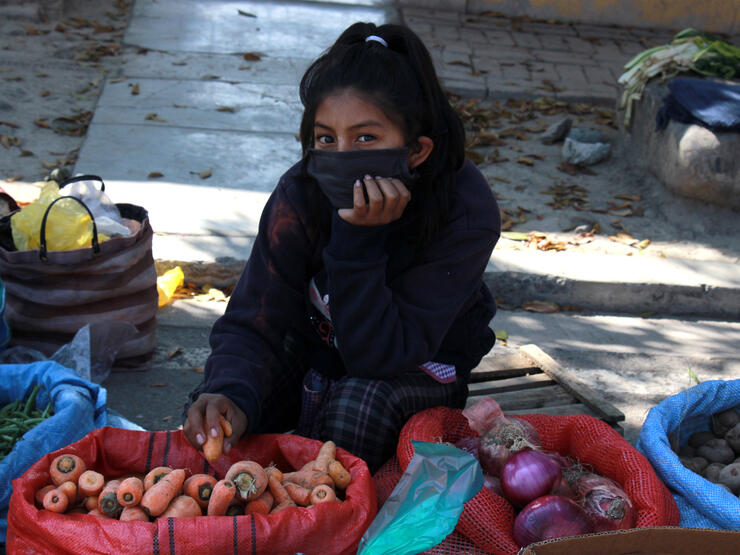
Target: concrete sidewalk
[(200, 120)]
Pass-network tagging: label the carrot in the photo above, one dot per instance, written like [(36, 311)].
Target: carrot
[(199, 487), (262, 505), (213, 447), (130, 491), (66, 467), (182, 505), (327, 453), (308, 479), (133, 513), (221, 497), (279, 493), (108, 499), (155, 475), (56, 501), (300, 495), (249, 478), (339, 474), (39, 497), (156, 499), (70, 490), (98, 514), (322, 494), (90, 483), (90, 502)]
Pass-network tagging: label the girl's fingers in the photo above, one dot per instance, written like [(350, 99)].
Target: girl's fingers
[(374, 195), (193, 426)]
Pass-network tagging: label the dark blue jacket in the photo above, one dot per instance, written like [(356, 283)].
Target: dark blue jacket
[(393, 307)]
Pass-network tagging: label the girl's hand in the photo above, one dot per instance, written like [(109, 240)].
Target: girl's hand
[(203, 419), (387, 196)]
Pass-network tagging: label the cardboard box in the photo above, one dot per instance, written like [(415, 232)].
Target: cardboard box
[(659, 540)]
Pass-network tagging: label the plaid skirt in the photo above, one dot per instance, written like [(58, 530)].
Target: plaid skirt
[(363, 416)]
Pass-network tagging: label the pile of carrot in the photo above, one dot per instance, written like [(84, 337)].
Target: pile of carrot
[(164, 492)]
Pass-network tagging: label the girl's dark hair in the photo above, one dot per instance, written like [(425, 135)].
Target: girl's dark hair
[(400, 79)]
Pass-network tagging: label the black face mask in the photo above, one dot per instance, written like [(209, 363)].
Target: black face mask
[(336, 172)]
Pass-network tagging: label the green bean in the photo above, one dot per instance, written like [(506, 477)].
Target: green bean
[(31, 403)]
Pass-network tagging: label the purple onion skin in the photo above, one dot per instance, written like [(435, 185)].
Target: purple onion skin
[(493, 484), (469, 445), (527, 475), (550, 517)]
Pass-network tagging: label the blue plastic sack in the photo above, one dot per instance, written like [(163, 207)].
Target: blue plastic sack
[(4, 328), (427, 502), (79, 407), (702, 503)]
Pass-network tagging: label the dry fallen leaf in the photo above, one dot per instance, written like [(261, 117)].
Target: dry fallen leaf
[(543, 307), (41, 122), (628, 197), (174, 352), (525, 161), (205, 174), (198, 370), (252, 57), (9, 124), (135, 89), (155, 174), (230, 109), (153, 117), (13, 179), (158, 384)]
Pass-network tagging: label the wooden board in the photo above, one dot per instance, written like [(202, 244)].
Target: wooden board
[(529, 381)]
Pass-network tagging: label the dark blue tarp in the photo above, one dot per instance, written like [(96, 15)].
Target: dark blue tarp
[(711, 104)]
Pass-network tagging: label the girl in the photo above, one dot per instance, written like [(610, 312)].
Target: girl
[(362, 302)]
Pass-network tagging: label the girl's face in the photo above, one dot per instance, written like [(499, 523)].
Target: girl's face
[(346, 121)]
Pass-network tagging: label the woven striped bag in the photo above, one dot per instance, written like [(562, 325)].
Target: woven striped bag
[(50, 295)]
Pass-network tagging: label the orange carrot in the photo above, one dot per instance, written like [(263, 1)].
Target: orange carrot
[(339, 474), (133, 513), (130, 491), (322, 494), (308, 479), (90, 483), (39, 497), (66, 467), (182, 505), (90, 502), (98, 514), (56, 501), (279, 493), (221, 497), (262, 505), (327, 453), (108, 499), (213, 447), (249, 478), (199, 487), (70, 490), (156, 499), (155, 475), (299, 494)]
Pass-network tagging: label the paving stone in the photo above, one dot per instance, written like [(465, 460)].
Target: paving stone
[(596, 75), (499, 37), (555, 42), (467, 88), (526, 40), (446, 32), (580, 46)]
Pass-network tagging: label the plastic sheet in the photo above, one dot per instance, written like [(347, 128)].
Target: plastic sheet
[(427, 502)]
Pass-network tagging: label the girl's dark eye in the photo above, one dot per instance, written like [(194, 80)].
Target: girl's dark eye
[(366, 138), (324, 139)]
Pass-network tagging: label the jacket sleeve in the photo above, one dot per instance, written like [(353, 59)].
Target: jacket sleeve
[(247, 341), (386, 328)]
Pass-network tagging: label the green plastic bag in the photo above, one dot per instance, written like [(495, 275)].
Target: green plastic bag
[(427, 502)]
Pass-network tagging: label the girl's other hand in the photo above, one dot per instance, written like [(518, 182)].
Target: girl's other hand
[(387, 199), (203, 419)]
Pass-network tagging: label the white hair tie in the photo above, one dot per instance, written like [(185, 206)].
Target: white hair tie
[(377, 39)]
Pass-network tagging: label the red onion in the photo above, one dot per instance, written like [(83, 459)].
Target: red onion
[(562, 487), (508, 436), (527, 475), (550, 517), (607, 505), (470, 445), (493, 484)]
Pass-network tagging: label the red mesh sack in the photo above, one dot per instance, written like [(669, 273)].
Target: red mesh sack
[(487, 519), (326, 528)]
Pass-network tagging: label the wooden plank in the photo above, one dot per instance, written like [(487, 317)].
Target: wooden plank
[(600, 407), (570, 408), (505, 361), (482, 374), (532, 399), (510, 384)]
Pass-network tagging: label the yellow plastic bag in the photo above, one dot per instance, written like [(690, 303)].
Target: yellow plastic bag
[(167, 283), (68, 225)]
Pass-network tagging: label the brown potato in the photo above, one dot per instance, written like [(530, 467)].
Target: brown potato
[(698, 439), (695, 464), (716, 450), (686, 451), (730, 476), (712, 471), (732, 437), (722, 422)]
